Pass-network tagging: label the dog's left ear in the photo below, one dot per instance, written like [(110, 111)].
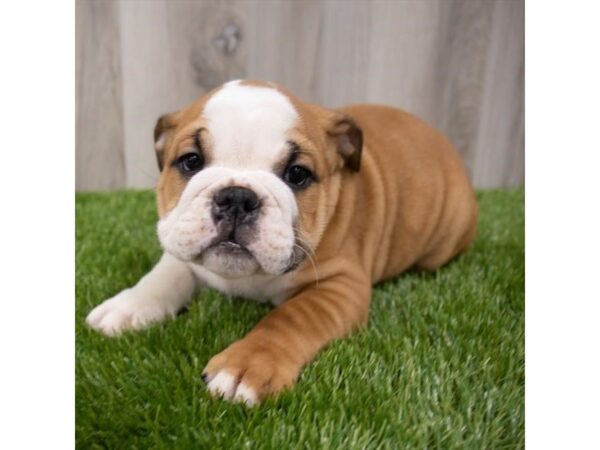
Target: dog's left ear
[(349, 140), (162, 130)]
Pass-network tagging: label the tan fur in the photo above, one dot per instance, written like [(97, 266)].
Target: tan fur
[(410, 205)]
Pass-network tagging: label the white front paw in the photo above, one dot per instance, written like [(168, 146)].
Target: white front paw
[(125, 311)]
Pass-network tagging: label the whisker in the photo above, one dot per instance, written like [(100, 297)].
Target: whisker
[(302, 244), (303, 241), (313, 263)]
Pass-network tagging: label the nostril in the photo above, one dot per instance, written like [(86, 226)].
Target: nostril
[(223, 198), (236, 200), (251, 204)]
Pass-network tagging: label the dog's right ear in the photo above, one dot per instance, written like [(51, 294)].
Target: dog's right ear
[(349, 139), (162, 131)]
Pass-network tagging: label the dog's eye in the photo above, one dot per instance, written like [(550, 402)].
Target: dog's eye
[(298, 176), (190, 163)]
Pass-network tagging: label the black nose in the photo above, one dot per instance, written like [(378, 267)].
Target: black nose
[(236, 203)]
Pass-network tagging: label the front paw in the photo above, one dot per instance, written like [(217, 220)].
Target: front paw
[(124, 311), (249, 371)]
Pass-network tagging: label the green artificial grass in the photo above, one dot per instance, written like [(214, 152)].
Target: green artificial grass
[(440, 364)]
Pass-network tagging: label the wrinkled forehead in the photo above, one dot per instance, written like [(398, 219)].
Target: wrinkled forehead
[(249, 125)]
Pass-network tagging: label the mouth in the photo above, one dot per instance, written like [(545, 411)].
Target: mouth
[(229, 259), (226, 248), (231, 248)]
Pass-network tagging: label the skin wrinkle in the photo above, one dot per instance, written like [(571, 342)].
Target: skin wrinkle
[(293, 220), (295, 153), (380, 196), (307, 312)]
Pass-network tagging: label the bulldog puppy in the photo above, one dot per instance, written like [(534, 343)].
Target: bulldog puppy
[(264, 196)]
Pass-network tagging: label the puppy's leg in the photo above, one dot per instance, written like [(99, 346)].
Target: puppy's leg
[(159, 294), (271, 356)]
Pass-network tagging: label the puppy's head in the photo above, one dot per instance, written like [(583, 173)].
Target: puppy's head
[(250, 177)]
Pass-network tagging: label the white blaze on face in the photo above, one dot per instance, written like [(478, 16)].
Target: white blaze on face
[(248, 127)]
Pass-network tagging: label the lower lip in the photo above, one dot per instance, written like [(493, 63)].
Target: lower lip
[(233, 247), (229, 248), (230, 245)]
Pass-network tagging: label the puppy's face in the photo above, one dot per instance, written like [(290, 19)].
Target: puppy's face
[(249, 178)]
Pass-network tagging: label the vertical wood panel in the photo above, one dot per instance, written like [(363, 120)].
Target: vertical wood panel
[(282, 40), (464, 36), (99, 158), (343, 53), (499, 160), (402, 55)]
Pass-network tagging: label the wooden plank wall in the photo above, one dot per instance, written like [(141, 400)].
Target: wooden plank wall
[(459, 64)]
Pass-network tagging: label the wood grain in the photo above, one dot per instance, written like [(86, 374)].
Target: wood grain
[(500, 145), (283, 39), (99, 139), (169, 57), (459, 64)]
